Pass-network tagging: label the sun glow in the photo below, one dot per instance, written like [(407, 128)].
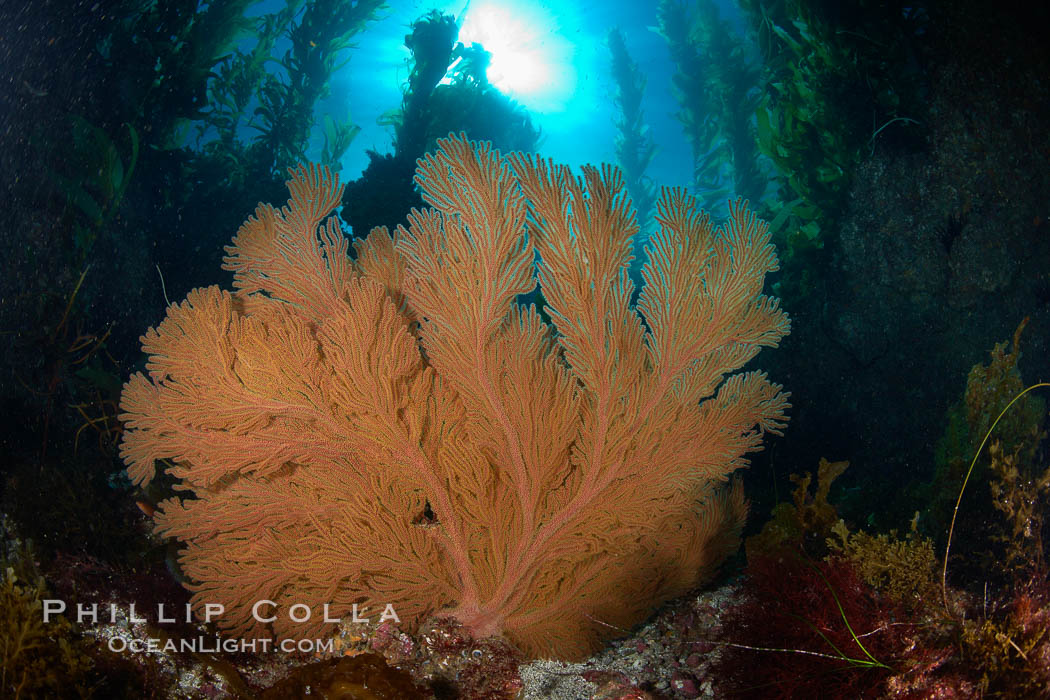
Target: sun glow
[(530, 61)]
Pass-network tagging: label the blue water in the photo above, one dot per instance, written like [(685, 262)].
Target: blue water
[(550, 57)]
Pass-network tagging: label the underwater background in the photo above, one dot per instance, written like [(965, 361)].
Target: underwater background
[(898, 151)]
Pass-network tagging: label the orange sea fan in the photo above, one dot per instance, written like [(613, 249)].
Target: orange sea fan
[(397, 430)]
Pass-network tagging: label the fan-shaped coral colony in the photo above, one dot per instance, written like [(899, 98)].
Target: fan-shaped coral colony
[(393, 429)]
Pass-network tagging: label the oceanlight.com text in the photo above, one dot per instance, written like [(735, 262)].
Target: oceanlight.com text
[(214, 645)]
